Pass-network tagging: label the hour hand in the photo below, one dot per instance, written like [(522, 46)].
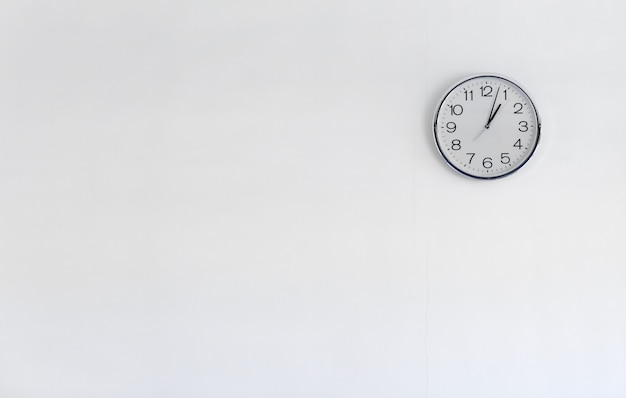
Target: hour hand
[(491, 112), (492, 116)]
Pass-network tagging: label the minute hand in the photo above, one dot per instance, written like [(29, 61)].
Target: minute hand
[(491, 112), (492, 116)]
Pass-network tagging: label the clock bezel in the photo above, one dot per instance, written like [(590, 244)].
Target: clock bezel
[(454, 87)]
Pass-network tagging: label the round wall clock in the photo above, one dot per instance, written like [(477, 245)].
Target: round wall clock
[(486, 126)]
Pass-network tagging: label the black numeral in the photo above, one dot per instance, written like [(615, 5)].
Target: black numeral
[(451, 126), (504, 158), (518, 108), (518, 144), (523, 126), (487, 163), (456, 145), (469, 95), (471, 155), (456, 110), (486, 91), (505, 95)]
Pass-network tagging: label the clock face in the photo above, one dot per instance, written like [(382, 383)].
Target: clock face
[(486, 127)]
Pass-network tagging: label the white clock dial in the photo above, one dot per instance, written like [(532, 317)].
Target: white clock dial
[(486, 126)]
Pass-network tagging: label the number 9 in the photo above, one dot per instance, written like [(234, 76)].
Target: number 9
[(451, 126)]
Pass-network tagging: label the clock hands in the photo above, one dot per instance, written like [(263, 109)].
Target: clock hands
[(492, 114)]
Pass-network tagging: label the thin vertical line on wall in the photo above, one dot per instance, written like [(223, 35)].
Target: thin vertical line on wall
[(426, 259), (425, 21), (426, 322)]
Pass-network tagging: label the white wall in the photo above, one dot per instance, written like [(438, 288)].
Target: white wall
[(243, 199)]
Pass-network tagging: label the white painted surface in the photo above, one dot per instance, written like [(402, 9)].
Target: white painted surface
[(243, 199)]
